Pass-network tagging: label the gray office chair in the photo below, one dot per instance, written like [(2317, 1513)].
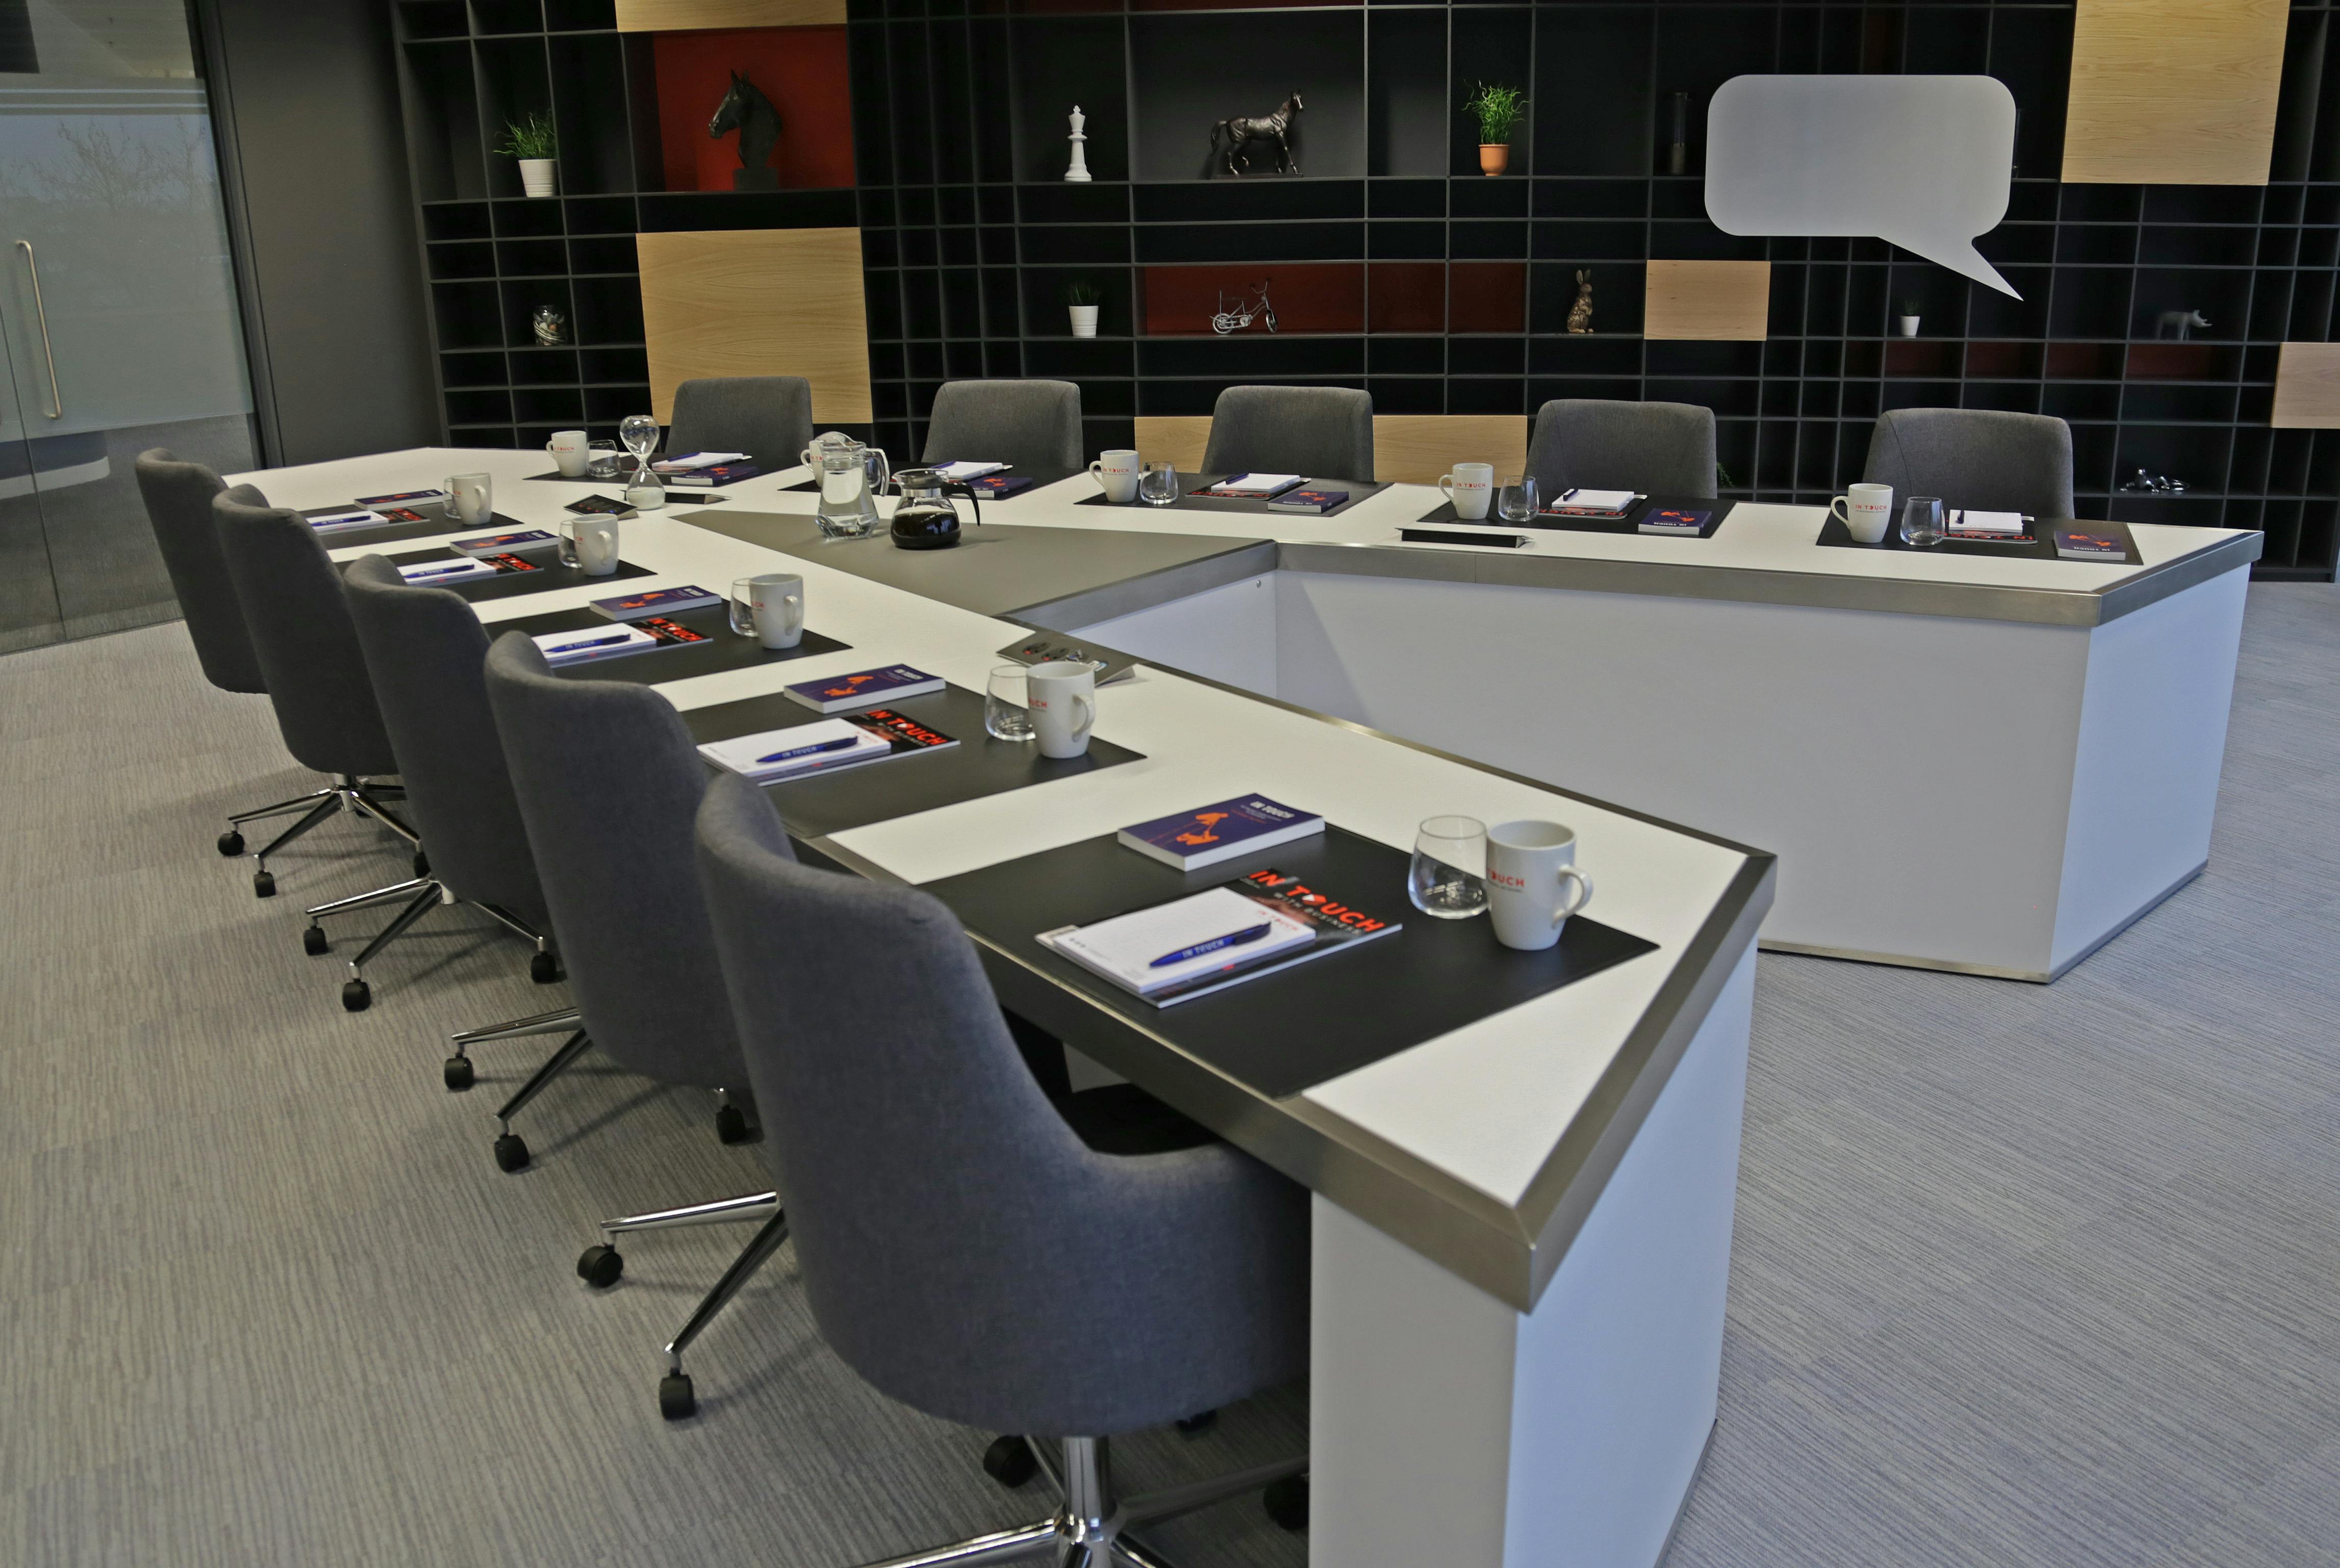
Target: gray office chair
[(315, 673), (963, 1247), (424, 647), (1975, 458), (178, 496), (769, 418), (1598, 443), (1033, 425), (1318, 433)]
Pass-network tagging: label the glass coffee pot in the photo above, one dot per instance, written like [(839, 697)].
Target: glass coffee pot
[(851, 477), (925, 518)]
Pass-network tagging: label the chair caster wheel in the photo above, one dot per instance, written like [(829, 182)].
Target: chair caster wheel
[(1286, 1502), (230, 844), (599, 1266), (421, 864), (676, 1401), (264, 884), (1199, 1423), (1009, 1461), (458, 1074), (731, 1125), (313, 941), (544, 969), (512, 1153), (356, 995)]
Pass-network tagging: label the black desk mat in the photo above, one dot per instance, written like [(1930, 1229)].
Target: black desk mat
[(1358, 489), (880, 792), (723, 649), (1631, 522), (549, 575), (1283, 1032), (434, 522), (2041, 545)]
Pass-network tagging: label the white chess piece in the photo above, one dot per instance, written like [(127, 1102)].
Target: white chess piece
[(1079, 172)]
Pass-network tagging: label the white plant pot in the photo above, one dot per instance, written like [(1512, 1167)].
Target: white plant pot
[(1909, 326), (536, 176), (1084, 319)]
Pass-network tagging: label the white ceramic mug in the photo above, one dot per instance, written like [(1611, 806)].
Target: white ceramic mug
[(570, 453), (779, 609), (1469, 487), (596, 545), (1866, 510), (472, 497), (1533, 883), (1118, 471), (1063, 702)]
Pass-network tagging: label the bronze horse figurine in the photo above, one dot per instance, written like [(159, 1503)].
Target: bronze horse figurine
[(746, 110), (1244, 129)]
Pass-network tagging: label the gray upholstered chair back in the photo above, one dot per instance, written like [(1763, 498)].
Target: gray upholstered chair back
[(1598, 443), (1318, 433), (769, 418), (1032, 424), (314, 671), (179, 508), (1975, 458), (608, 782), (963, 1249), (424, 647)]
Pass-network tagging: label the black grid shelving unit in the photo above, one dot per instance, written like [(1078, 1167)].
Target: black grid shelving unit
[(970, 232)]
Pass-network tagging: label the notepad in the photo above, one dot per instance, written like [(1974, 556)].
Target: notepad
[(772, 755), (1127, 948), (434, 572), (333, 521), (1988, 523), (560, 648), (699, 459), (1593, 500), (1255, 485), (963, 471)]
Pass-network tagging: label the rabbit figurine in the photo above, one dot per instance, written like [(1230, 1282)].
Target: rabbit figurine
[(1579, 314)]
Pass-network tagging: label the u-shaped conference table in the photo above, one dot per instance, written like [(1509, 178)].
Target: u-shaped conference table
[(1523, 1176)]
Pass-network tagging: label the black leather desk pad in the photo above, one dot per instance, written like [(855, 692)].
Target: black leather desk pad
[(548, 576), (433, 522), (880, 792), (723, 649), (2041, 545), (1358, 489), (1631, 522), (1283, 1032)]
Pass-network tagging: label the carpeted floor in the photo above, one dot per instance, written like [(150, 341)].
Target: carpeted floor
[(2023, 1275)]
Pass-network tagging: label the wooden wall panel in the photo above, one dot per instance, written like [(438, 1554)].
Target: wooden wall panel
[(683, 15), (1176, 439), (759, 301), (2173, 92), (2307, 387), (1418, 448), (1708, 300)]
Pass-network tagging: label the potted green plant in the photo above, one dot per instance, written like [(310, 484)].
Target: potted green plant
[(1498, 110), (1906, 320), (1081, 299), (531, 140)]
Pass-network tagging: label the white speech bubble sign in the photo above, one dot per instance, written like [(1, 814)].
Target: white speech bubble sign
[(1923, 161)]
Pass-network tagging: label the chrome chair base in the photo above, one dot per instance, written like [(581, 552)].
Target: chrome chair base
[(456, 1072), (421, 895), (362, 796), (1091, 1530)]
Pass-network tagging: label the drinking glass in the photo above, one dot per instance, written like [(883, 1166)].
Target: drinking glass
[(1159, 484), (1006, 715), (1447, 879), (565, 533), (1516, 501), (743, 606), (1921, 521), (601, 460)]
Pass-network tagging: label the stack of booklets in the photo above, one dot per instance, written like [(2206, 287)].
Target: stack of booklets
[(1575, 502), (1310, 500), (864, 689), (2090, 544), (1252, 926), (403, 498), (1220, 832), (654, 601), (1673, 520), (1000, 486), (824, 746), (593, 643), (519, 541), (1252, 486), (1989, 527), (706, 469)]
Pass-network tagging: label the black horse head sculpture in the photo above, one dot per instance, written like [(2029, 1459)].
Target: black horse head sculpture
[(1229, 136), (746, 110)]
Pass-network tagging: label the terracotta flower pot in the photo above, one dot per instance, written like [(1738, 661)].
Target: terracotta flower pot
[(1494, 157)]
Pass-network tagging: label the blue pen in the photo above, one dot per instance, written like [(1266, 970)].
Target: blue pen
[(1232, 940), (809, 750), (441, 570), (596, 642)]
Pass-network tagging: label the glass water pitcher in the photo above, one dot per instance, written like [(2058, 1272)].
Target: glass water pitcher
[(851, 477)]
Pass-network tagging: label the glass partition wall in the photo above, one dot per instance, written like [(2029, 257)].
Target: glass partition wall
[(118, 315)]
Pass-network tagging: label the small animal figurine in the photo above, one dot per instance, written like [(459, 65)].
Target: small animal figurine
[(1579, 314), (1276, 128), (2179, 324), (550, 326), (746, 110)]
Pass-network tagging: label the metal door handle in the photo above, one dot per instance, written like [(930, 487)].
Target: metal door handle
[(56, 402)]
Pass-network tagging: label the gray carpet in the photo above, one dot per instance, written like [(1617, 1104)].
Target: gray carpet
[(2023, 1275)]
